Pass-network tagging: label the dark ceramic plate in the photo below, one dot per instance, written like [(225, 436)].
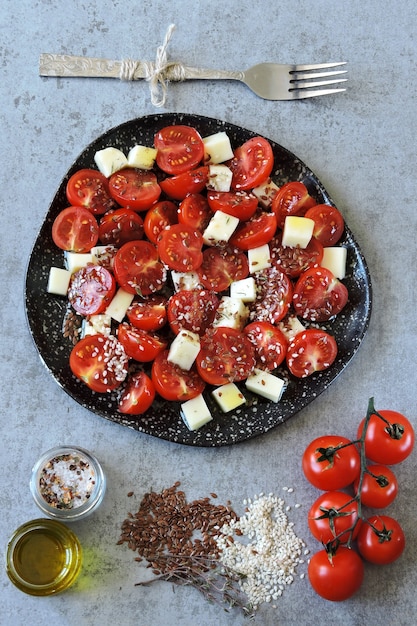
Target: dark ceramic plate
[(45, 313)]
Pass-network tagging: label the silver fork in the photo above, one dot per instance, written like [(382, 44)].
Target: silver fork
[(270, 81)]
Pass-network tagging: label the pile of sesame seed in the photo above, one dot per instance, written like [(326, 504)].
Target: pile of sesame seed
[(263, 547)]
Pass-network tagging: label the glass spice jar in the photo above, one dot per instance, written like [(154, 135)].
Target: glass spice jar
[(43, 557), (68, 483)]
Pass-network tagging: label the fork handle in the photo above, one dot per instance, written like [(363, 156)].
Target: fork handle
[(66, 65)]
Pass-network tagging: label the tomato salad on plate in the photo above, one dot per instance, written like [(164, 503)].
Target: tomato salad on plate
[(246, 265), (199, 279)]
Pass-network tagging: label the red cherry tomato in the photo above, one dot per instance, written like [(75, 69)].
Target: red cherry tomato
[(192, 310), (240, 204), (180, 186), (252, 163), (336, 577), (294, 261), (174, 383), (136, 189), (180, 247), (138, 395), (75, 229), (222, 266), (331, 462), (256, 231), (270, 344), (194, 211), (100, 362), (388, 442), (333, 515), (91, 289), (273, 295), (226, 355), (379, 487), (160, 216), (311, 350), (90, 189), (120, 226), (148, 313), (138, 269), (381, 540), (328, 223), (180, 148), (319, 295), (141, 345), (291, 199)]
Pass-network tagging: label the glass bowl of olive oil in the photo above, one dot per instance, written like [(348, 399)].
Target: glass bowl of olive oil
[(44, 557)]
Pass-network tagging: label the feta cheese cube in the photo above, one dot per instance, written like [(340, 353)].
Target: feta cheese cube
[(141, 157), (58, 281), (297, 231), (290, 326), (104, 255), (74, 261), (220, 228), (228, 397), (217, 148), (195, 413), (231, 313), (244, 289), (119, 305), (259, 258), (185, 281), (266, 193), (265, 384), (334, 259), (97, 324), (110, 160), (184, 349), (219, 178)]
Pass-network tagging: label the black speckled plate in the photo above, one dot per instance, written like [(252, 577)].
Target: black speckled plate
[(45, 313)]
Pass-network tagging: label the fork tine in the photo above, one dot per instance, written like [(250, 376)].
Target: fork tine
[(315, 66), (315, 83), (300, 94), (309, 75)]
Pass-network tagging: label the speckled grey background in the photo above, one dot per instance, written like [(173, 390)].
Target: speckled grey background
[(362, 147)]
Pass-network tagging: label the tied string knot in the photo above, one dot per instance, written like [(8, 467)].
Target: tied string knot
[(158, 74)]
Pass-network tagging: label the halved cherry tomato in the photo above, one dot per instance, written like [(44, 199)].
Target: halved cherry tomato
[(319, 295), (222, 266), (174, 383), (292, 199), (91, 289), (381, 540), (379, 486), (138, 395), (240, 204), (180, 148), (180, 247), (136, 189), (138, 269), (226, 355), (294, 261), (192, 181), (274, 292), (90, 189), (311, 350), (336, 577), (141, 345), (100, 362), (120, 226), (194, 211), (388, 442), (334, 514), (75, 229), (192, 310), (252, 163), (331, 462), (270, 344), (328, 223), (148, 313), (256, 231), (159, 216)]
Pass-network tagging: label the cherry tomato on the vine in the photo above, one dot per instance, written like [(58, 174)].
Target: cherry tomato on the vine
[(390, 440), (333, 515), (331, 462), (336, 577), (381, 539), (379, 486)]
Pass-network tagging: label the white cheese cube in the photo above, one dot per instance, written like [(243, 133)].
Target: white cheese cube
[(103, 255), (141, 157), (259, 258), (290, 326), (266, 193), (244, 289), (97, 324), (110, 160), (219, 178), (185, 281), (217, 148), (195, 413), (297, 231), (184, 349), (228, 397), (119, 305), (74, 261), (58, 281), (231, 313), (334, 259), (265, 384), (220, 228)]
